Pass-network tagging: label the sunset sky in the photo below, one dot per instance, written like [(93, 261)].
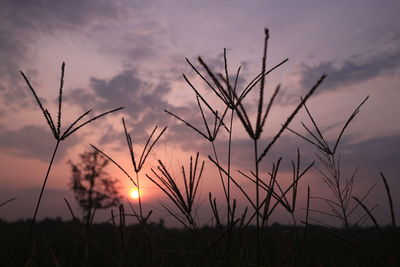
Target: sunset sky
[(132, 54)]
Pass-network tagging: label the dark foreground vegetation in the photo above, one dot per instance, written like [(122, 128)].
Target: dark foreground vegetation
[(235, 238), (58, 243)]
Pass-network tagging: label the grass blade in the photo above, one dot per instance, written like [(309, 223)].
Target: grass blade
[(392, 215), (290, 118)]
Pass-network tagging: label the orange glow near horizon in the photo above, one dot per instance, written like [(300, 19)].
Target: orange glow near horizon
[(134, 193)]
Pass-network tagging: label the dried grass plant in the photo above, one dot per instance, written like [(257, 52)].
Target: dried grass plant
[(137, 165), (183, 199), (342, 189), (58, 134), (267, 192), (229, 96)]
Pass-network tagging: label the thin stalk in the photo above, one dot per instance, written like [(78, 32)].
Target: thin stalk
[(140, 198), (72, 213), (94, 213), (295, 226), (219, 170), (257, 199), (7, 201), (390, 200), (339, 192), (307, 213), (122, 225), (43, 186), (89, 210), (369, 214), (229, 222), (229, 166)]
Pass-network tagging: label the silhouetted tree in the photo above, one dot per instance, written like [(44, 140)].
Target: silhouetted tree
[(92, 185)]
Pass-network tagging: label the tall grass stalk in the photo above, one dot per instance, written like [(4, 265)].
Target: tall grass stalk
[(279, 195), (228, 95), (307, 212), (56, 129), (183, 199), (255, 133), (137, 164), (389, 195), (211, 131), (234, 102), (341, 189), (267, 192), (370, 215), (224, 94)]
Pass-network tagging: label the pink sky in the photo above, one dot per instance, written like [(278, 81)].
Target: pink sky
[(132, 54)]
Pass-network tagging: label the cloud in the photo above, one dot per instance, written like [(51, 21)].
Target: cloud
[(33, 142), (351, 71), (342, 74), (144, 102), (22, 22), (47, 15), (377, 154), (120, 28), (371, 155)]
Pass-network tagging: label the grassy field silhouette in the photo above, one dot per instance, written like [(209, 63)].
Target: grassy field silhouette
[(234, 239)]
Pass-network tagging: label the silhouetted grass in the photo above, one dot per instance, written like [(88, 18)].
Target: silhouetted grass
[(7, 201), (58, 135), (183, 199), (342, 189), (137, 165), (68, 244), (250, 238)]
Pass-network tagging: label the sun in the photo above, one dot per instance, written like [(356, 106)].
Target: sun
[(134, 193)]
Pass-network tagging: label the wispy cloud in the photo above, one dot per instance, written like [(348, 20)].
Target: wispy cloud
[(352, 71), (144, 101), (25, 24), (29, 142), (21, 22)]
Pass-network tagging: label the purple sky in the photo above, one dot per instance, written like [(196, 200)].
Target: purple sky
[(132, 54)]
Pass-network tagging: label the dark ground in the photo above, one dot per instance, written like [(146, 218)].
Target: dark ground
[(58, 243)]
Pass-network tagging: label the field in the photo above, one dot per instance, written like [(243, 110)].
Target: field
[(59, 243), (245, 239)]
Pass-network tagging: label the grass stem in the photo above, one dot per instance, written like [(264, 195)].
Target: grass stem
[(43, 186), (257, 200), (393, 217)]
